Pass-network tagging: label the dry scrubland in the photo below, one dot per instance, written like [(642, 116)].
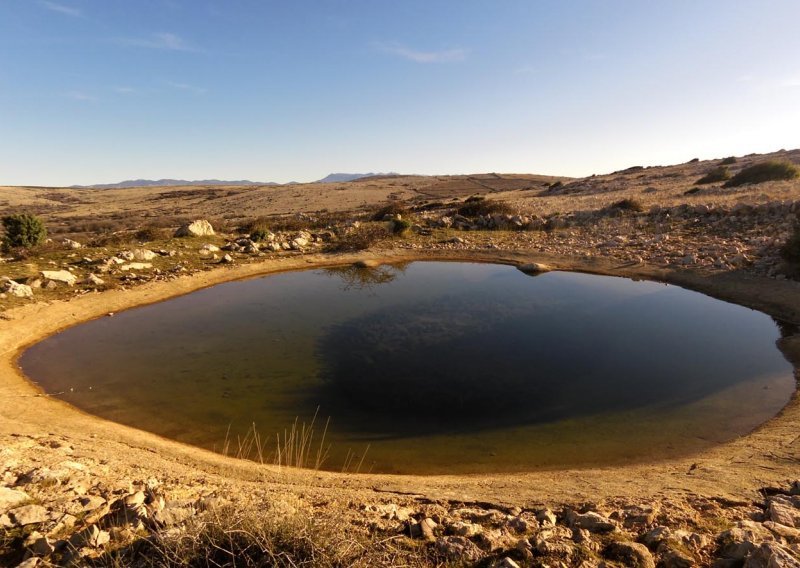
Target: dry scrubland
[(76, 490)]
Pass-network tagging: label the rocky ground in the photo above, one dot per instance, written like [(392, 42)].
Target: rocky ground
[(61, 505), (79, 491)]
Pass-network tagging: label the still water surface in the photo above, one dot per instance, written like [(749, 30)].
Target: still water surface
[(430, 367)]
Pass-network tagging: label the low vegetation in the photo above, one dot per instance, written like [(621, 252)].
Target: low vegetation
[(773, 170), (392, 209), (360, 238), (628, 205), (717, 175), (252, 538), (730, 160), (479, 206), (791, 249), (23, 230)]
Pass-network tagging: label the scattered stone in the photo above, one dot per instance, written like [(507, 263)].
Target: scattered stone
[(136, 266), (143, 254), (93, 280), (226, 259), (16, 289), (771, 555), (10, 498), (591, 521), (631, 554), (69, 243), (63, 276), (423, 529), (198, 228), (506, 563), (458, 548), (28, 515), (546, 517)]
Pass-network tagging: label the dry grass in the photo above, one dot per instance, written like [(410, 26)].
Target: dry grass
[(252, 537)]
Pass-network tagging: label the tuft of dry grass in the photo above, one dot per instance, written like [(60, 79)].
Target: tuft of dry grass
[(253, 537), (771, 170)]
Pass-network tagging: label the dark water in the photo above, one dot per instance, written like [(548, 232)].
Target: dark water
[(435, 367)]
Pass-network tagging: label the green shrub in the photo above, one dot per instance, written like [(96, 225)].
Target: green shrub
[(259, 233), (628, 205), (728, 161), (481, 207), (400, 226), (23, 230), (717, 175), (773, 170)]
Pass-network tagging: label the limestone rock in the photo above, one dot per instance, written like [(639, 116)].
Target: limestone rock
[(423, 529), (458, 548), (630, 554), (546, 517), (69, 243), (93, 280), (143, 254), (28, 515), (197, 228), (226, 259), (506, 563), (136, 266), (771, 555), (591, 521), (783, 513), (16, 289), (10, 498), (63, 276), (534, 268)]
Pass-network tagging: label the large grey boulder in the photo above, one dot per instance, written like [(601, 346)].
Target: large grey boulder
[(197, 228)]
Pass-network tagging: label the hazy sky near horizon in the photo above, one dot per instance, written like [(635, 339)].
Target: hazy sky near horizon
[(95, 91)]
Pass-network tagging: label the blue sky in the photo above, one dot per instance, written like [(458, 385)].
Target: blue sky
[(95, 91)]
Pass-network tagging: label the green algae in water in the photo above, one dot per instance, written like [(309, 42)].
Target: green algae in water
[(438, 367)]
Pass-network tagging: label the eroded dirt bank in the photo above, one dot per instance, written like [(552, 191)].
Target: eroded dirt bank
[(61, 457)]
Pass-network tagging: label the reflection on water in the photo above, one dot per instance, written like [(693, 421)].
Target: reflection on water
[(439, 367)]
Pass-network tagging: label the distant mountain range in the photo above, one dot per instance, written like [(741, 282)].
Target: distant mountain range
[(165, 182), (331, 178)]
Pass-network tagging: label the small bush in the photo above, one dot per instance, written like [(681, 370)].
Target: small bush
[(152, 233), (400, 226), (628, 205), (484, 207), (555, 185), (716, 175), (730, 160), (692, 191), (773, 170), (23, 230), (393, 208), (360, 238)]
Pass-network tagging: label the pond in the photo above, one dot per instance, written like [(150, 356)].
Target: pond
[(428, 367)]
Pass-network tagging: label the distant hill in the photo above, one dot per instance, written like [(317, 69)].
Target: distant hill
[(167, 182), (334, 178)]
